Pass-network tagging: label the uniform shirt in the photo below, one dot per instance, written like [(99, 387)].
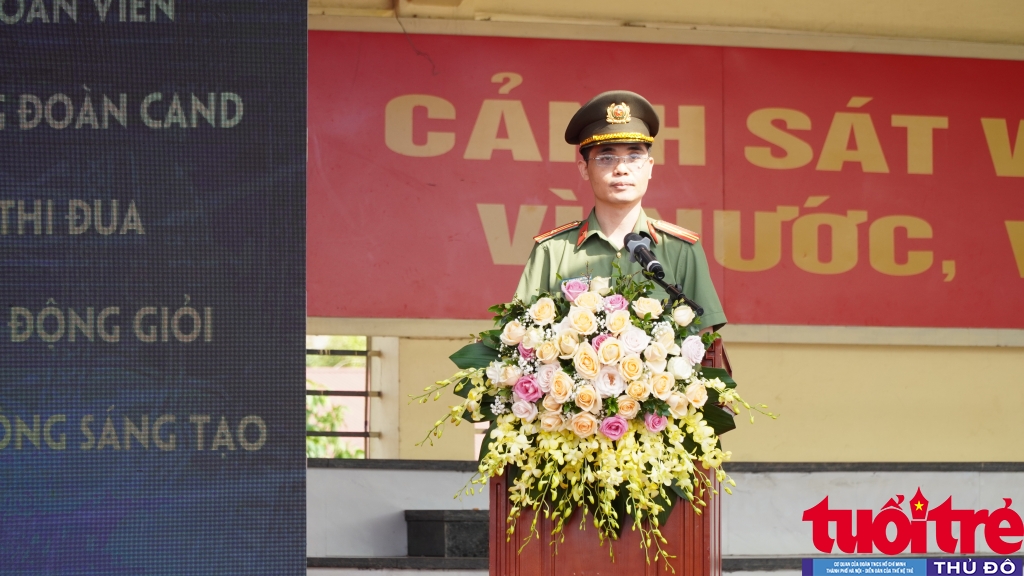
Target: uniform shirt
[(583, 250)]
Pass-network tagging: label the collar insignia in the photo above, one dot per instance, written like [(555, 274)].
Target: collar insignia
[(618, 114)]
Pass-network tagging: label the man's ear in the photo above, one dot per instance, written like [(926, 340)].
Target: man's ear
[(582, 165)]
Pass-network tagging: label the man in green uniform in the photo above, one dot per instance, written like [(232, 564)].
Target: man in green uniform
[(614, 132)]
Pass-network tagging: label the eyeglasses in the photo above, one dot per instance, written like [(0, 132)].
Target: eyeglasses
[(632, 161)]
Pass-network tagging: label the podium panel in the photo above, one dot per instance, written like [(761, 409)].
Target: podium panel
[(694, 540)]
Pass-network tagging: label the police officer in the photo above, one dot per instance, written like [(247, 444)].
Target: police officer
[(614, 132)]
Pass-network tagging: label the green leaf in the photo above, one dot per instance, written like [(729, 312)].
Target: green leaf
[(720, 420), (720, 373), (668, 504), (619, 505), (490, 338), (680, 492), (485, 446), (475, 355)]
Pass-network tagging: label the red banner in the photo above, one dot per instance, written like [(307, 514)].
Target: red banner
[(828, 188)]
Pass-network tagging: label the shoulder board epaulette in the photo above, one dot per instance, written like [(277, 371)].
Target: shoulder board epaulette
[(683, 234), (551, 233)]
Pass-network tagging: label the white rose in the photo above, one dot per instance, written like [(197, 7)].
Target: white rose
[(513, 333), (634, 339), (600, 284), (643, 306), (667, 338), (543, 311), (680, 368), (533, 338), (697, 394), (655, 353), (609, 382), (693, 349), (545, 374), (525, 410), (494, 373), (617, 321), (683, 315)]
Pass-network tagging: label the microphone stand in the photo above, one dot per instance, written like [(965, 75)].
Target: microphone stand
[(675, 294)]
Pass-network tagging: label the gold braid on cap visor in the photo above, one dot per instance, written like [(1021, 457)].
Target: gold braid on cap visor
[(636, 136)]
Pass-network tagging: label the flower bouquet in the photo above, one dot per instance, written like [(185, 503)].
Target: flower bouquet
[(597, 401)]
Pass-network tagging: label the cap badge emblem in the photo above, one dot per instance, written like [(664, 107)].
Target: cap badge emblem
[(618, 114)]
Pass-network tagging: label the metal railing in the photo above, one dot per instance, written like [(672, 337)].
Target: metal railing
[(348, 393)]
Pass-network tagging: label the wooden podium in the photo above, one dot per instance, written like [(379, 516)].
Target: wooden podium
[(694, 540)]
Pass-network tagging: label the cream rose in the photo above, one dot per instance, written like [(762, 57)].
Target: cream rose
[(643, 306), (662, 385), (510, 375), (589, 300), (543, 311), (618, 321), (561, 387), (582, 320), (678, 405), (680, 367), (568, 343), (587, 399), (513, 333), (655, 354), (550, 404), (610, 352), (601, 285), (631, 366), (547, 352), (551, 421), (586, 362), (628, 407), (634, 339), (583, 424), (683, 315), (697, 394), (639, 389)]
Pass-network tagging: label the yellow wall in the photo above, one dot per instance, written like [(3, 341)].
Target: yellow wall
[(421, 363), (843, 403), (991, 21)]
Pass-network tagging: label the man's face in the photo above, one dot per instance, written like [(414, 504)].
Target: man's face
[(620, 183)]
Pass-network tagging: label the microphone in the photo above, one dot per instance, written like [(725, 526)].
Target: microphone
[(640, 251)]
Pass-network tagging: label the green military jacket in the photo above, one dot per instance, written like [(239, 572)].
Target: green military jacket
[(581, 249)]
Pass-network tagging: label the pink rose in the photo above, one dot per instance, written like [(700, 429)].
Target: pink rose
[(528, 389), (615, 302), (526, 353), (596, 342), (573, 288), (693, 349), (614, 427), (655, 423)]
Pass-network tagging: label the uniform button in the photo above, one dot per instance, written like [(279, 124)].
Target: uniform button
[(618, 254)]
